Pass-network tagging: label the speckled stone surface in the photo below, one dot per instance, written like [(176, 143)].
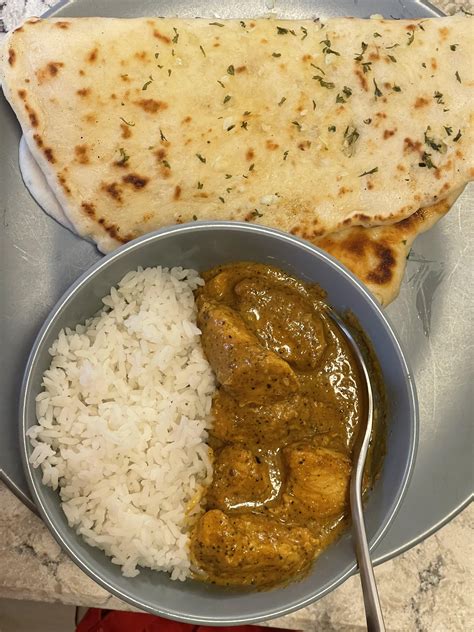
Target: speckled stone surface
[(427, 589)]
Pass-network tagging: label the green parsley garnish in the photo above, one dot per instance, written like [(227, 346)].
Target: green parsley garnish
[(145, 85), (332, 128), (377, 34), (324, 84), (227, 98), (314, 104), (244, 124), (368, 121), (392, 58), (256, 213), (411, 37), (285, 154), (162, 136), (242, 24), (378, 92), (431, 142), (230, 127), (296, 124), (453, 46), (124, 157), (305, 32), (426, 161), (228, 176), (176, 35), (456, 74), (200, 185), (363, 49), (201, 158), (439, 97), (396, 89), (327, 50), (282, 100), (222, 199), (347, 92), (368, 173), (166, 163), (366, 66), (449, 130), (202, 51), (392, 46), (281, 30), (457, 137), (350, 135), (220, 83), (318, 68), (157, 55), (195, 217), (231, 70), (215, 24), (276, 54), (252, 166), (127, 122)]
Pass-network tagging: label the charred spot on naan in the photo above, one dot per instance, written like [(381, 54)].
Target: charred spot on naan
[(62, 25), (83, 92), (163, 38), (63, 182), (82, 154), (49, 71), (92, 55), (126, 131), (151, 106), (114, 190), (135, 181), (11, 56), (32, 115)]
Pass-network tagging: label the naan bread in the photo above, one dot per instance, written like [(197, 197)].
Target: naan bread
[(38, 186), (377, 256), (310, 128)]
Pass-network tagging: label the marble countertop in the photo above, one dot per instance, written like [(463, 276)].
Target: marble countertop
[(425, 589)]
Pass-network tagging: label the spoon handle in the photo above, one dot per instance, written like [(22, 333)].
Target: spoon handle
[(373, 610)]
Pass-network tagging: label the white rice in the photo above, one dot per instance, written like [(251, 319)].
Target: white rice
[(123, 419)]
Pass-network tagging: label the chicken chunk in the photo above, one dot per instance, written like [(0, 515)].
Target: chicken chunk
[(250, 550), (250, 373), (242, 480), (269, 425), (284, 320), (318, 482)]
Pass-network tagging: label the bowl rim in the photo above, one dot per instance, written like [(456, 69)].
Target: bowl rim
[(35, 485)]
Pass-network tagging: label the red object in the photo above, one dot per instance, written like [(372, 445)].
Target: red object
[(97, 620)]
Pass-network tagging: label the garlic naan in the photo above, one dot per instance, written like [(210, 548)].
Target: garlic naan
[(311, 128)]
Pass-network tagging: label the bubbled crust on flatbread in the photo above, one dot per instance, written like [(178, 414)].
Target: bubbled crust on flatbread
[(143, 123), (377, 256)]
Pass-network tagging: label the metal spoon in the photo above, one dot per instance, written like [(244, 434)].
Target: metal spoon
[(373, 610)]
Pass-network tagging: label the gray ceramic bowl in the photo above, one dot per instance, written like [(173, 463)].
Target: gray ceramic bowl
[(201, 246)]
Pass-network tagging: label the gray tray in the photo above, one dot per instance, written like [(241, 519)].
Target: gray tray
[(39, 259)]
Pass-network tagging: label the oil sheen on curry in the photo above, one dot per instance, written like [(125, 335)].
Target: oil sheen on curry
[(285, 418)]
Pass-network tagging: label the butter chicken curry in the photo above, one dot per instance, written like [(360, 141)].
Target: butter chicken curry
[(286, 416)]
